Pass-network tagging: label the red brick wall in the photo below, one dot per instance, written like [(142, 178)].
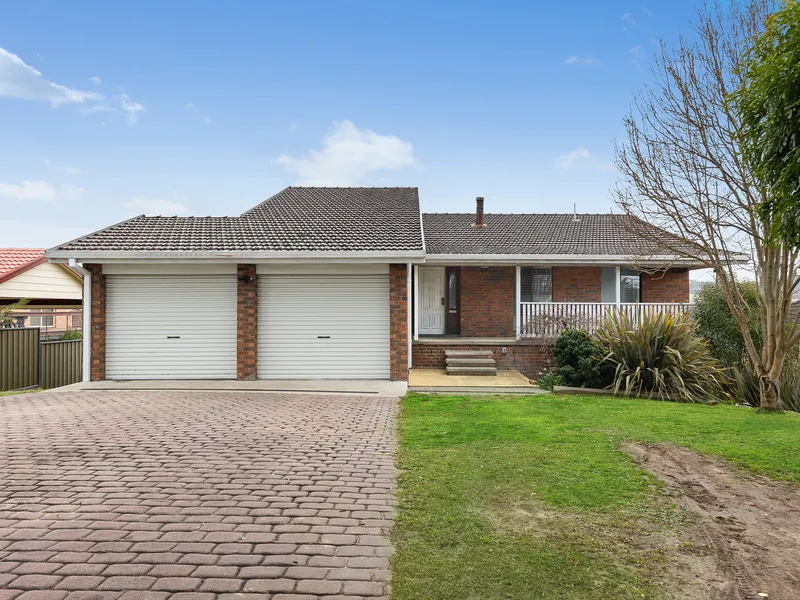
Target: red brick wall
[(98, 325), (487, 302), (398, 322), (577, 284), (667, 286), (528, 357), (246, 324)]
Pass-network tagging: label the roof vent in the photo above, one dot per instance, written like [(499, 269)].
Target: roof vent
[(479, 212), (575, 218)]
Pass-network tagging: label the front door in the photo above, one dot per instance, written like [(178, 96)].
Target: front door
[(431, 301)]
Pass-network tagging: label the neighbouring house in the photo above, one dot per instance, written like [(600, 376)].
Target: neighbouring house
[(356, 283), (55, 291)]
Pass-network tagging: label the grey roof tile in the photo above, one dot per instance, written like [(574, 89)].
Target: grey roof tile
[(295, 219), (598, 234)]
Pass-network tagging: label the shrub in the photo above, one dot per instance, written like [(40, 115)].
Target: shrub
[(548, 381), (579, 360), (716, 323), (746, 389), (662, 356), (69, 334)]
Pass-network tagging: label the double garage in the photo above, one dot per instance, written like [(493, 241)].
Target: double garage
[(314, 322)]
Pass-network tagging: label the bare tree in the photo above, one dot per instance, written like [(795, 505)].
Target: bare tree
[(682, 170)]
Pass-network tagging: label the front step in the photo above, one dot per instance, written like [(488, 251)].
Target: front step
[(470, 362), (491, 371), (472, 353), (467, 361)]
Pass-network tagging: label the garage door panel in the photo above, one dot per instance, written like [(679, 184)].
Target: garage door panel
[(171, 327), (350, 312)]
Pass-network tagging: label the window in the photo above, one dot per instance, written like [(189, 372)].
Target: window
[(42, 321), (536, 284), (630, 285), (452, 290)]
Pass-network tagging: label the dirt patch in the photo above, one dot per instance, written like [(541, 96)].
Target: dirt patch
[(745, 541)]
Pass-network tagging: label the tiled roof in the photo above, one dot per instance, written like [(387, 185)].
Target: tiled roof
[(295, 219), (603, 234), (13, 260)]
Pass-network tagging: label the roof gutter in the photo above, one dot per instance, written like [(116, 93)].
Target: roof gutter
[(237, 257), (87, 318), (562, 259)]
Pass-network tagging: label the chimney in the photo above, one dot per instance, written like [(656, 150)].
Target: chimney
[(479, 212)]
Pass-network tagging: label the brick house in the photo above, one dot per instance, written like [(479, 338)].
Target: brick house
[(356, 283)]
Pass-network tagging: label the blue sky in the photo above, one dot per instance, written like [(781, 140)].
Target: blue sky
[(112, 109)]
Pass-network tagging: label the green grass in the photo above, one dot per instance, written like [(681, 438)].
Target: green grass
[(531, 497), (15, 392)]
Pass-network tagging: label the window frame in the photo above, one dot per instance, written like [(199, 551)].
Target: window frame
[(50, 318), (530, 281)]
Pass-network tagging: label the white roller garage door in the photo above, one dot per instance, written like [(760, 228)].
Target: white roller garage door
[(323, 326), (171, 327)]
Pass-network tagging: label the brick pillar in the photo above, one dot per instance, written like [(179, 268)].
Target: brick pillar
[(398, 322), (97, 371), (246, 323)]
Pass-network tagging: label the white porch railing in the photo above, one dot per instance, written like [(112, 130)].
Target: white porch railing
[(547, 319)]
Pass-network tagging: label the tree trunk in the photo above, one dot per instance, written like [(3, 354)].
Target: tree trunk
[(770, 390)]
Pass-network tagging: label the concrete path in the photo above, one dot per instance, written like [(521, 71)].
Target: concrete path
[(195, 495), (371, 387)]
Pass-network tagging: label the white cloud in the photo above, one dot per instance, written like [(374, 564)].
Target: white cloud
[(581, 158), (349, 154), (95, 80), (41, 190), (28, 190), (647, 11), (582, 60), (628, 19), (568, 161), (19, 80), (158, 206), (132, 109), (292, 126), (65, 169)]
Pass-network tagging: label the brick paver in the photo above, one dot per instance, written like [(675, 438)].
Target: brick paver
[(195, 495)]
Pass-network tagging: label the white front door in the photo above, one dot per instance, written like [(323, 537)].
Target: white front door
[(431, 300)]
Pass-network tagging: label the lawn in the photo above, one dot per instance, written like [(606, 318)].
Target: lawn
[(17, 392), (531, 496)]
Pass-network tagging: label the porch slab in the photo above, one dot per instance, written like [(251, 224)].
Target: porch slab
[(432, 378), (450, 340)]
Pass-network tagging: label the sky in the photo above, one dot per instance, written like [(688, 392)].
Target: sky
[(113, 109)]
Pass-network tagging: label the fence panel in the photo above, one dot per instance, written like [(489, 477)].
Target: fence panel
[(19, 358), (62, 363)]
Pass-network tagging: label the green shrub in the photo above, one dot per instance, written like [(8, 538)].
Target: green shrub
[(548, 381), (716, 323), (69, 334), (746, 390), (579, 360), (661, 356)]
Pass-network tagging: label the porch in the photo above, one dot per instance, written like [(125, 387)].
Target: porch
[(513, 313)]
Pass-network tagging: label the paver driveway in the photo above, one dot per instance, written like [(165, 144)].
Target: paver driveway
[(202, 495)]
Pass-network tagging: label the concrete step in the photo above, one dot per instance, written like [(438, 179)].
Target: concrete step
[(474, 353), (469, 360), (491, 371)]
